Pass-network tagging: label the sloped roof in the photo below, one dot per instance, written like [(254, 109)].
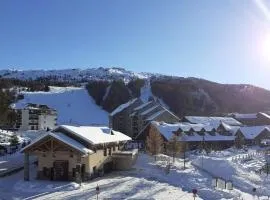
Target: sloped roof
[(264, 114), (155, 115), (245, 116), (63, 138), (95, 134), (251, 132), (167, 131), (142, 106), (123, 106), (213, 121), (150, 109)]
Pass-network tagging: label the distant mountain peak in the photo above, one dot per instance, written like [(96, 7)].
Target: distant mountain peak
[(77, 74)]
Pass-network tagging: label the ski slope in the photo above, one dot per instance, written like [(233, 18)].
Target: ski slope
[(74, 105)]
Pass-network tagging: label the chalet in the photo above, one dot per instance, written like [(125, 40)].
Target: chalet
[(71, 152), (252, 119), (252, 135), (132, 117), (192, 135)]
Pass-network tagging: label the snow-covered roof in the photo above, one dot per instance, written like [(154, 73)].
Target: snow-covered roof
[(95, 134), (167, 130), (63, 138), (245, 116), (265, 115), (251, 132), (123, 106), (152, 117), (142, 106), (6, 133), (213, 120)]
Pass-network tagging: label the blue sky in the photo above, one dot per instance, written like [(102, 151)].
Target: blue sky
[(217, 40)]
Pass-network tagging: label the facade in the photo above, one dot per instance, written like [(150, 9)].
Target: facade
[(252, 119), (69, 153), (36, 117), (131, 118)]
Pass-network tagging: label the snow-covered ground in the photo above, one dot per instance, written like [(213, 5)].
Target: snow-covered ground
[(149, 179), (74, 105)]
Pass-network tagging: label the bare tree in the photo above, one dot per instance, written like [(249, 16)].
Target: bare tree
[(173, 146), (154, 142)]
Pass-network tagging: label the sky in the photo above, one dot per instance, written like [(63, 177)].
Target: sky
[(225, 41)]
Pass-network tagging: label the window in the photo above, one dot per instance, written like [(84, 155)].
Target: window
[(73, 172), (105, 152), (110, 151), (113, 148), (94, 170)]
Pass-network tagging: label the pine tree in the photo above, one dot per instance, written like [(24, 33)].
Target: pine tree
[(14, 140), (154, 142)]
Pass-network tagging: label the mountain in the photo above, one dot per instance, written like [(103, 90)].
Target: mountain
[(111, 87), (79, 75)]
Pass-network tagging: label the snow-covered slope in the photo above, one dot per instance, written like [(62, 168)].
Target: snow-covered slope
[(73, 105), (146, 93), (75, 74)]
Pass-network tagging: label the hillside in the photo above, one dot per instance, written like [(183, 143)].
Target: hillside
[(111, 87), (75, 75), (184, 96), (73, 105)]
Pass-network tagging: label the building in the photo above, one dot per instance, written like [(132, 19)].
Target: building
[(36, 117), (213, 121), (119, 118), (193, 136), (252, 135), (252, 119), (132, 117), (84, 152)]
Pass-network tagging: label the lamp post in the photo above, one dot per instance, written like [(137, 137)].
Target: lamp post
[(202, 149), (194, 191), (97, 191)]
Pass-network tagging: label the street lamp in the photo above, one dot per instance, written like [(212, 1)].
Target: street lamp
[(194, 191)]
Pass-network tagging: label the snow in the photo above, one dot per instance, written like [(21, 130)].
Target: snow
[(149, 110), (239, 167), (85, 75), (251, 132), (146, 91), (245, 116), (167, 130), (213, 120), (106, 93), (96, 135), (115, 186), (142, 106), (123, 106), (149, 179), (265, 115), (73, 105), (63, 138)]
